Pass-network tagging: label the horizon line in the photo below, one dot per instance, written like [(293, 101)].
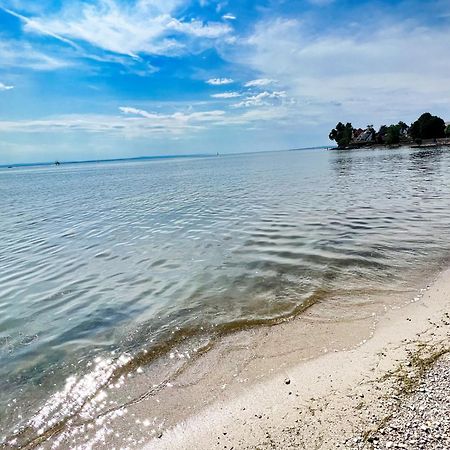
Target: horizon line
[(137, 158)]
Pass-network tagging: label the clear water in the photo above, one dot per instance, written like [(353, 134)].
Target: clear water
[(128, 257)]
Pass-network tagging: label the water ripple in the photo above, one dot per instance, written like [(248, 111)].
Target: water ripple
[(102, 258)]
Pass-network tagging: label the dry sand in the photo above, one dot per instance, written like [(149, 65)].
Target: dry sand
[(338, 400)]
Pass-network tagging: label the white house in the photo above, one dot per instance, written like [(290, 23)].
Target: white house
[(365, 136)]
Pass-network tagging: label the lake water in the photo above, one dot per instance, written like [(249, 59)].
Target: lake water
[(105, 264)]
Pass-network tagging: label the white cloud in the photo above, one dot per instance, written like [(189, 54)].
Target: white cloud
[(139, 27), (199, 29), (178, 118), (37, 27), (23, 55), (229, 17), (219, 81), (226, 95), (259, 82), (134, 122), (5, 87), (263, 98), (138, 112), (140, 68), (137, 122), (388, 72)]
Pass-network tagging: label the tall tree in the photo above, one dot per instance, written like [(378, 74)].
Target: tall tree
[(393, 134), (342, 134), (428, 127)]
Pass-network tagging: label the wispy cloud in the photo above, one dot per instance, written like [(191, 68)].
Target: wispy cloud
[(199, 29), (219, 81), (226, 95), (14, 53), (133, 122), (5, 87), (263, 98), (178, 117), (138, 122), (139, 68), (35, 26), (260, 82), (139, 27)]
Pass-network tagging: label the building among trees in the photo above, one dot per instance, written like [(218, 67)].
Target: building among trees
[(427, 127)]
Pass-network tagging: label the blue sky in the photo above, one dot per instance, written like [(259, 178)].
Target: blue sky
[(82, 79)]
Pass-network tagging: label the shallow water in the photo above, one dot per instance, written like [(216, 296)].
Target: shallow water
[(103, 263)]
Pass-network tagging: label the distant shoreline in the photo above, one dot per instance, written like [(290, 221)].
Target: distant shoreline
[(425, 145), (156, 157), (91, 161)]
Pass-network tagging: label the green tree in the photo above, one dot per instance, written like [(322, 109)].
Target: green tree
[(403, 126), (447, 131), (393, 134), (342, 134), (428, 127)]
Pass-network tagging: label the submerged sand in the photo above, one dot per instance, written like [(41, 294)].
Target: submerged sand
[(340, 399), (312, 382)]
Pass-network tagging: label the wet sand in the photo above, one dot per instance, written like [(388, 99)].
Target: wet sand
[(310, 382), (336, 400)]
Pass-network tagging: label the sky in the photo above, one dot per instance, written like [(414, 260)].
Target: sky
[(89, 79)]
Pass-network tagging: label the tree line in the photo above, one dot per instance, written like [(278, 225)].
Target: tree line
[(425, 127)]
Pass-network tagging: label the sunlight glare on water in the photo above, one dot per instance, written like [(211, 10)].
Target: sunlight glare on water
[(121, 257)]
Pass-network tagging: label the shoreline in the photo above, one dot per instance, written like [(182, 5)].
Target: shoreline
[(338, 399), (374, 146), (238, 386)]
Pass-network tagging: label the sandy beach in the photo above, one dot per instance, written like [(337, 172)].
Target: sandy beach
[(341, 399), (309, 382)]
